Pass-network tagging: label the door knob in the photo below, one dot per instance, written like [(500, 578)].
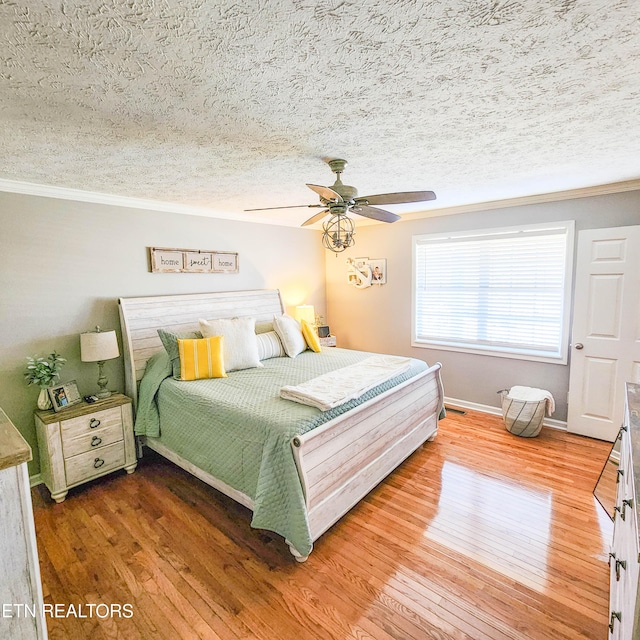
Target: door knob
[(579, 345)]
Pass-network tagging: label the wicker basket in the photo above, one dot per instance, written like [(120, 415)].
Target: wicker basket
[(522, 417)]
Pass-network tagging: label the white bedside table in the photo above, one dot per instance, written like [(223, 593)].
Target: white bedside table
[(85, 441), (329, 341)]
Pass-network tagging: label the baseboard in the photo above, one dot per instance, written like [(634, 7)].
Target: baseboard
[(35, 480), (497, 411)]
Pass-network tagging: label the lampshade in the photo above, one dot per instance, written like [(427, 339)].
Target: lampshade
[(97, 346), (305, 312)]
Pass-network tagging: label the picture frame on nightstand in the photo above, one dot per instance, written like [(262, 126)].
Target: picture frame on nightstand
[(64, 395)]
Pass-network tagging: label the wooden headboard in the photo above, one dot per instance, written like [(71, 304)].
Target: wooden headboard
[(140, 319)]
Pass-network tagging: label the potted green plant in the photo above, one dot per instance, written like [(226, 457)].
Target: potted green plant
[(44, 372)]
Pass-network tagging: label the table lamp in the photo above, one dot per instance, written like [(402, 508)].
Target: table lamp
[(305, 312), (98, 346)]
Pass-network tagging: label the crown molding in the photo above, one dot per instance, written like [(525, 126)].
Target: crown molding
[(78, 195), (94, 197), (541, 198)]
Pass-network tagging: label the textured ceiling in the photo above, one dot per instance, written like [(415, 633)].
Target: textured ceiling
[(233, 104)]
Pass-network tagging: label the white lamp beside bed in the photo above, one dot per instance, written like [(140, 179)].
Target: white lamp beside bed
[(305, 312), (99, 346)]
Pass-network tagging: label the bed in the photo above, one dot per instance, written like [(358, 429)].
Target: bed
[(297, 468)]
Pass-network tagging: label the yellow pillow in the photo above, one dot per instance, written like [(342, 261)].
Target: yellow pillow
[(201, 358), (311, 337)]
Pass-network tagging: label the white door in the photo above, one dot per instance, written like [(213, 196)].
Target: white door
[(605, 349)]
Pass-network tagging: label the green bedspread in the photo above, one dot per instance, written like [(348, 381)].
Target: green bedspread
[(239, 430)]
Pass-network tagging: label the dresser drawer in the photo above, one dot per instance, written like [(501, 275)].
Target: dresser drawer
[(98, 438), (88, 423), (92, 464)]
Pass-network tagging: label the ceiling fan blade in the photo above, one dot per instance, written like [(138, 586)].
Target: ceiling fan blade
[(374, 213), (398, 198), (291, 206), (326, 193), (315, 218)]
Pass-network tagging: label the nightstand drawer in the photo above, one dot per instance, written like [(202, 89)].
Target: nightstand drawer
[(95, 440), (94, 463), (91, 422)]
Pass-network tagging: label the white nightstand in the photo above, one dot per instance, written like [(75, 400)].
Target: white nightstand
[(84, 442), (329, 341)]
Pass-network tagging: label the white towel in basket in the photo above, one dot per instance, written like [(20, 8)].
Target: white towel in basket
[(531, 394)]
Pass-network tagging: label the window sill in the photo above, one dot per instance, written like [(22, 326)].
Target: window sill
[(496, 353)]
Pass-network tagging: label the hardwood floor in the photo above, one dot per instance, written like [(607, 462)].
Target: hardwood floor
[(479, 534)]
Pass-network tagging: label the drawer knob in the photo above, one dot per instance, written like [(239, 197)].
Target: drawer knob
[(93, 423), (98, 462), (620, 564), (625, 504), (615, 615), (95, 441)]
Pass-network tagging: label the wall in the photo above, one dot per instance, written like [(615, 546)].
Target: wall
[(65, 264), (379, 318)]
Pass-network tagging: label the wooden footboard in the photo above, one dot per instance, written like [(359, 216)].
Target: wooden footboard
[(341, 461)]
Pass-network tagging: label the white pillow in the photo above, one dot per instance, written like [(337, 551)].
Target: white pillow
[(290, 333), (269, 346), (240, 343)]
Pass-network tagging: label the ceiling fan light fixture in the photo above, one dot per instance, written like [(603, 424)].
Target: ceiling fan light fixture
[(338, 232), (340, 198)]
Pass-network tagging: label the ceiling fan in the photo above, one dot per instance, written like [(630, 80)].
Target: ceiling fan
[(339, 199)]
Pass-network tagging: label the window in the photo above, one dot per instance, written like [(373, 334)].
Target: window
[(502, 292)]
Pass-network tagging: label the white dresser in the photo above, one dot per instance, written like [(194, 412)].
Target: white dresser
[(21, 603), (624, 619)]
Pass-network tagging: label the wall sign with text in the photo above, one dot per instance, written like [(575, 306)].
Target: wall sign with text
[(192, 261)]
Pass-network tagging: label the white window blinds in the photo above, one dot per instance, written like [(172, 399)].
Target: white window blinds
[(498, 291)]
